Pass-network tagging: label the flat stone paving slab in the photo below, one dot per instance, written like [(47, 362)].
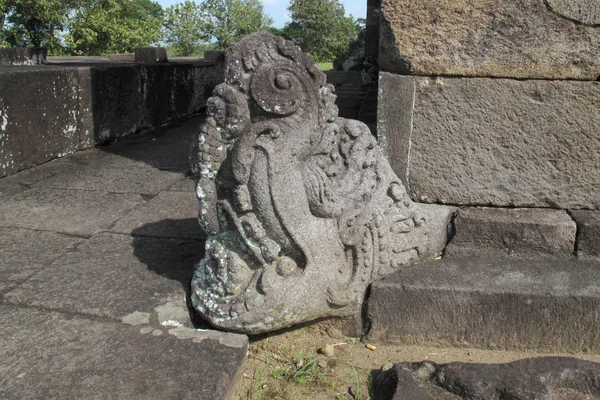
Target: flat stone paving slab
[(78, 212), (491, 302), (171, 214), (114, 275), (24, 252), (50, 355)]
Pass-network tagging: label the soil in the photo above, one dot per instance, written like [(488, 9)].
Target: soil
[(290, 366)]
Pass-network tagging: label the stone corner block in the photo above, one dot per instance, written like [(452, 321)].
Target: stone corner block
[(588, 233), (519, 230), (395, 101), (150, 55), (23, 56)]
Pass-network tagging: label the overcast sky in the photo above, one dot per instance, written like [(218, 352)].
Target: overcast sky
[(277, 9)]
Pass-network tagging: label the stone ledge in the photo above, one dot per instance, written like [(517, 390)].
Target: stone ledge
[(588, 234), (490, 302), (514, 231)]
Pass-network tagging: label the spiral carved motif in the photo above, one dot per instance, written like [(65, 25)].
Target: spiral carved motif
[(278, 89)]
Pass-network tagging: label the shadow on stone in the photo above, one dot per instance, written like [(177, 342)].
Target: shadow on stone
[(182, 255), (165, 147)]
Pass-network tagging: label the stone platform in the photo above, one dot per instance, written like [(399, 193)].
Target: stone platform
[(96, 252)]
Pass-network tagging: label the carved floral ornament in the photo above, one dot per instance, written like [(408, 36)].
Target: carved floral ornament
[(301, 209)]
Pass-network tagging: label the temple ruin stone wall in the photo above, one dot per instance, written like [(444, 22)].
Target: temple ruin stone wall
[(492, 103)]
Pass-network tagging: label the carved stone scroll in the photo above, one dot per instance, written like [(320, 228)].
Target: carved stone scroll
[(301, 209)]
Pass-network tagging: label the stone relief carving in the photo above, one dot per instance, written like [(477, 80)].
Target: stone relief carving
[(301, 209)]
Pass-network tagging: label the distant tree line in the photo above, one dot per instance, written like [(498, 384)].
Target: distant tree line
[(99, 27)]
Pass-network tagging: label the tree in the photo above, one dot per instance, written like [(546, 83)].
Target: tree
[(229, 20), (35, 23), (184, 28), (114, 26), (320, 27)]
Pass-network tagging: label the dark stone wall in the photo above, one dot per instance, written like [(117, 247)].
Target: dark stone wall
[(41, 115), (50, 111)]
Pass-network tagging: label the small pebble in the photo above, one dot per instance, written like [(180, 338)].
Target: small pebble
[(323, 363), (327, 350)]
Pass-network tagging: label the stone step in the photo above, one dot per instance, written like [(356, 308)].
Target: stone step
[(522, 231), (490, 302)]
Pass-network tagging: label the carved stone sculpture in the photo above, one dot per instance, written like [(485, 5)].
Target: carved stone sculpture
[(301, 209)]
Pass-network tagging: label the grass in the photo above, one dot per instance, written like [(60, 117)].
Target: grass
[(325, 66)]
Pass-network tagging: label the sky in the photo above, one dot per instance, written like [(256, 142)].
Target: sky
[(277, 9)]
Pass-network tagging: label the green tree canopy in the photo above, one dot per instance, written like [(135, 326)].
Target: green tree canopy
[(229, 20), (34, 22), (114, 26), (184, 28), (320, 27)]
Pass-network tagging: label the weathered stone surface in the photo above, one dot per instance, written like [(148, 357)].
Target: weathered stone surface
[(580, 11), (171, 214), (588, 233), (514, 38), (78, 212), (23, 56), (125, 57), (51, 121), (514, 231), (301, 208), (150, 55), (394, 120), (490, 302), (557, 378), (129, 98), (214, 55), (97, 278), (498, 142), (78, 107), (53, 355), (24, 252), (108, 176)]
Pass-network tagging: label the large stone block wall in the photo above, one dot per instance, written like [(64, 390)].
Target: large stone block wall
[(50, 111), (44, 114), (493, 103)]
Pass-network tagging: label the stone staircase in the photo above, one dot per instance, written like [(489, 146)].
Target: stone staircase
[(509, 279)]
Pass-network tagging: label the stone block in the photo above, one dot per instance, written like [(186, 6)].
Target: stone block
[(556, 39), (51, 121), (23, 56), (514, 231), (559, 378), (588, 233), (171, 214), (499, 142), (150, 55), (394, 120), (126, 57), (77, 212), (490, 302), (53, 355), (114, 276), (24, 252), (214, 56)]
